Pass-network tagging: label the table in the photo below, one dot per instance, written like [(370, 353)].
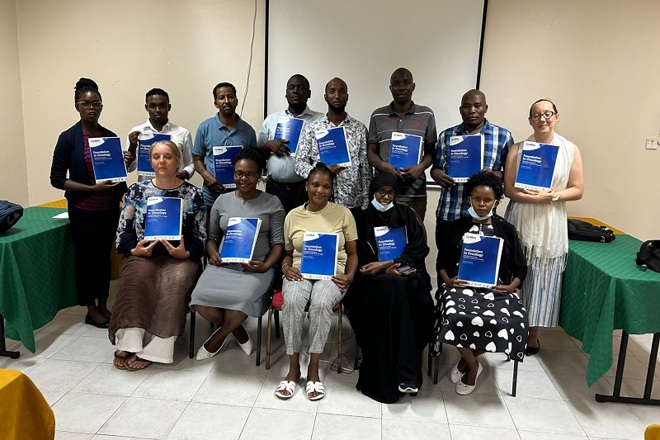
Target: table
[(604, 290), (37, 267), (24, 412)]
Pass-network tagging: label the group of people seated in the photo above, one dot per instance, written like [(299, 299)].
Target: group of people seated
[(389, 303)]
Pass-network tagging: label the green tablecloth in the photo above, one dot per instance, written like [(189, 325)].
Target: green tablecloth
[(37, 268), (604, 290)]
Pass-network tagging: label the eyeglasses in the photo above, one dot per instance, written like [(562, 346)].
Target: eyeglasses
[(537, 116), (250, 174), (384, 193), (87, 104)]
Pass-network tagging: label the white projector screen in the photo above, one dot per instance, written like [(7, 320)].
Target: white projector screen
[(364, 41)]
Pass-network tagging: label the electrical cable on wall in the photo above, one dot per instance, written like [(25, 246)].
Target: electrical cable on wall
[(247, 81)]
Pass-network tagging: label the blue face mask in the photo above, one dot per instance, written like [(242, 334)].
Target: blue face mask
[(380, 207), (475, 216)]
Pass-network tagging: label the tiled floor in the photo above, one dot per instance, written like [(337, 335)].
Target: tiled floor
[(228, 397)]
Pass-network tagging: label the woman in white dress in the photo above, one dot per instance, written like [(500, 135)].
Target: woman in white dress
[(540, 219)]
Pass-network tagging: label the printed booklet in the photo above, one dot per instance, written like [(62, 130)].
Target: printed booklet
[(289, 129), (145, 141), (223, 162), (107, 159), (319, 255), (406, 150), (465, 156), (537, 165), (333, 147), (240, 239), (164, 218), (390, 242), (480, 260)]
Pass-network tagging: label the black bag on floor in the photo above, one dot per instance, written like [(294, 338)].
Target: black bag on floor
[(10, 213), (649, 255), (583, 231)]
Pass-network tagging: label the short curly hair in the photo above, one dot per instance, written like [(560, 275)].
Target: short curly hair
[(253, 154), (485, 178)]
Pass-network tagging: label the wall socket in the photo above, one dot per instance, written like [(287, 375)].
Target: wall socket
[(652, 142)]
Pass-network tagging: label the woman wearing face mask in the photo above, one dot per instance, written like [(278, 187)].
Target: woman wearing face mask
[(390, 306), (477, 320)]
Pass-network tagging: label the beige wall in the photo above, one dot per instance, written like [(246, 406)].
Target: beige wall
[(128, 47), (597, 59), (599, 62), (13, 178)]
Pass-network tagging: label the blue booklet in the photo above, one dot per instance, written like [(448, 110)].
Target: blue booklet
[(107, 159), (390, 242), (319, 255), (223, 162), (164, 218), (405, 150), (289, 129), (145, 141), (480, 260), (465, 156), (240, 239), (537, 165), (333, 147)]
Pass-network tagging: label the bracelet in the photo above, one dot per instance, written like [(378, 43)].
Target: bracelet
[(286, 264)]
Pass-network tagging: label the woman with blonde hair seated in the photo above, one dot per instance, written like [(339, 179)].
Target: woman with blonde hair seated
[(156, 277)]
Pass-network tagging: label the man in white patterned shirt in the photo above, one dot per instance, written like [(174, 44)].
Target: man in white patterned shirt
[(351, 184), (157, 104)]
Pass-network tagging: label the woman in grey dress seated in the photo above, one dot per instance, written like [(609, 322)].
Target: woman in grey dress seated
[(226, 294)]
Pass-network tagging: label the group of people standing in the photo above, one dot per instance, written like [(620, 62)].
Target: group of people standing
[(389, 303)]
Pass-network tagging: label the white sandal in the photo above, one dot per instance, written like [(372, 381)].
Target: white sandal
[(315, 387), (286, 385)]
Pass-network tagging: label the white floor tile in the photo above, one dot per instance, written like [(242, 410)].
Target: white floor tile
[(282, 425), (63, 435), (56, 375), (80, 412), (221, 388), (339, 427), (607, 420), (463, 432), (535, 384), (633, 368), (66, 324), (635, 388), (647, 414), (144, 418), (106, 379), (47, 344), (204, 421), (563, 362), (539, 415), (556, 340), (574, 386), (484, 410), (170, 384), (527, 435), (26, 363), (396, 429), (344, 399), (499, 360), (234, 361), (427, 406), (86, 349)]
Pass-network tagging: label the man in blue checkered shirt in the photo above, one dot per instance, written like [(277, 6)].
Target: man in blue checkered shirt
[(453, 203)]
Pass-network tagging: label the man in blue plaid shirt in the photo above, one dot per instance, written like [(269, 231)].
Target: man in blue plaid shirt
[(453, 203)]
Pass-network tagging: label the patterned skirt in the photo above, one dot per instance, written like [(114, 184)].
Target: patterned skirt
[(481, 319)]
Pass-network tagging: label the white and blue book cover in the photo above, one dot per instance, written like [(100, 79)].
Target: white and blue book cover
[(480, 260), (465, 156), (333, 147), (406, 150), (537, 165), (289, 129), (319, 255), (240, 239), (145, 141), (107, 159), (390, 242), (164, 218), (223, 163)]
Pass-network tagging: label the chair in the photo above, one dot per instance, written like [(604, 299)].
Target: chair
[(514, 382), (274, 310)]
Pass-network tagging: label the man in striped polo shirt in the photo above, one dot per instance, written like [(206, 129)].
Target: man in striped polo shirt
[(453, 204), (404, 116)]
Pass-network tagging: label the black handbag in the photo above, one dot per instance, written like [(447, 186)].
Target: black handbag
[(648, 256), (583, 231), (10, 213)]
